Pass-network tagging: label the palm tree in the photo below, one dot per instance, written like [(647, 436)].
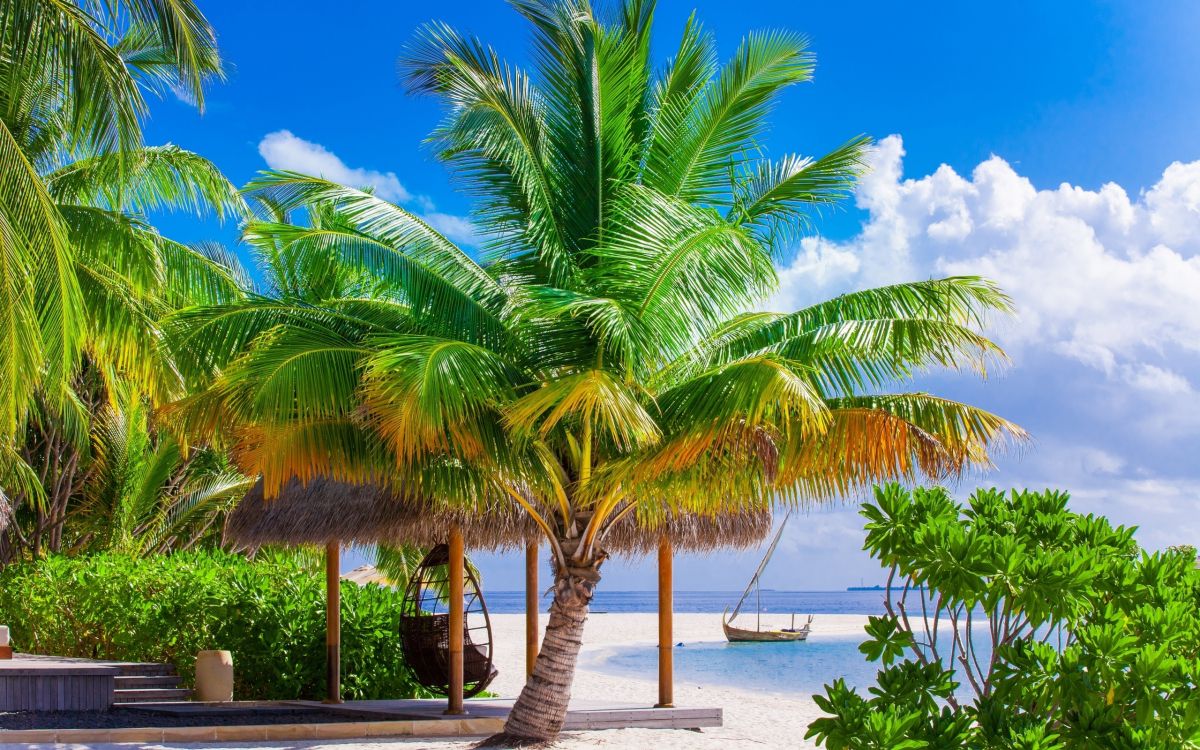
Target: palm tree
[(144, 494), (610, 357), (73, 79), (87, 278)]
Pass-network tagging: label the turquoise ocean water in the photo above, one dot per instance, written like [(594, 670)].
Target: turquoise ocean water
[(800, 602), (799, 667), (802, 667)]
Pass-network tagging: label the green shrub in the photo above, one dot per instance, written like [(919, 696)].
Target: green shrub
[(271, 615), (1014, 623)]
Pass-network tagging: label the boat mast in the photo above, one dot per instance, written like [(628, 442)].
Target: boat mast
[(761, 566)]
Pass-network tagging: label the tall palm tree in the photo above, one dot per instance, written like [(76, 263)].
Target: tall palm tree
[(610, 357), (128, 277), (84, 276), (73, 82)]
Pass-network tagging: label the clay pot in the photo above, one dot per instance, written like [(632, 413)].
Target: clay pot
[(214, 676)]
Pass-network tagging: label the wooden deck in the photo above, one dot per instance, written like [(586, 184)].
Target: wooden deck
[(581, 714), (64, 684), (41, 683), (368, 719)]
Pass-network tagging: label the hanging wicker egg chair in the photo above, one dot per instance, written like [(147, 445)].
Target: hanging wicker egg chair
[(425, 627)]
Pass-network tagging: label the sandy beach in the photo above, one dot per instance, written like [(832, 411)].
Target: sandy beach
[(752, 719)]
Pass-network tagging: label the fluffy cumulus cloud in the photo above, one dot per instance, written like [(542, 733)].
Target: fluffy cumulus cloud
[(1108, 279), (285, 150), (1106, 341)]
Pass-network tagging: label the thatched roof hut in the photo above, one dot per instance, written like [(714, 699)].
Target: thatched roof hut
[(690, 532), (329, 512), (323, 510), (326, 510)]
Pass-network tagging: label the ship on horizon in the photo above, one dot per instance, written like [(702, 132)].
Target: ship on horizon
[(877, 587)]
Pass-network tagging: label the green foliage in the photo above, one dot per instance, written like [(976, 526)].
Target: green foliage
[(596, 360), (84, 276), (270, 614), (73, 83), (1024, 626)]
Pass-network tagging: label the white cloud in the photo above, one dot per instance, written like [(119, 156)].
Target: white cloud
[(1157, 380), (1111, 281), (1106, 342), (284, 150), (457, 229)]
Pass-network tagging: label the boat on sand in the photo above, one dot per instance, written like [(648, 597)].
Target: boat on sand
[(742, 635)]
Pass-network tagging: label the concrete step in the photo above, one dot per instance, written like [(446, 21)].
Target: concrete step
[(138, 681), (150, 695)]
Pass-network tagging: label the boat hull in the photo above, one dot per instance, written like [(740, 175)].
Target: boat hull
[(738, 635)]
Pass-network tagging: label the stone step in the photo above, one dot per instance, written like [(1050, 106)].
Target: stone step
[(150, 695), (134, 682)]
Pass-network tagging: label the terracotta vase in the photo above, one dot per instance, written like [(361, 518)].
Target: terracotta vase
[(214, 676)]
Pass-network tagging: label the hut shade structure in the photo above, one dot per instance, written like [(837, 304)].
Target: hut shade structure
[(324, 511)]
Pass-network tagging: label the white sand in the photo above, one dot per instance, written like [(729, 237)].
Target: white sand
[(752, 719)]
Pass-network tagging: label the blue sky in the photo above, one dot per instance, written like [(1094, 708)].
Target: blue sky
[(1052, 146)]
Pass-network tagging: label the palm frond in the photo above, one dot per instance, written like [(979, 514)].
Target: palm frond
[(679, 269), (496, 139), (432, 291), (904, 437), (431, 395), (388, 224), (183, 38), (148, 179), (776, 196), (729, 117), (39, 296), (736, 407), (593, 396)]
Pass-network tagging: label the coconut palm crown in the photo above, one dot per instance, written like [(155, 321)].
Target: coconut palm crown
[(84, 276), (610, 355)]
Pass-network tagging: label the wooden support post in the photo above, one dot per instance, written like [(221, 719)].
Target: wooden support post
[(531, 606), (333, 623), (457, 573), (666, 666)]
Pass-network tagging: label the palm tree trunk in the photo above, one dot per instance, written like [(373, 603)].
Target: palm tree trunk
[(541, 709)]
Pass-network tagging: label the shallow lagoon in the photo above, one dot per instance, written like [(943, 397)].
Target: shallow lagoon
[(800, 667)]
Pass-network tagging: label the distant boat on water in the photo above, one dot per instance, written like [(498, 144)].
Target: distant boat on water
[(741, 635)]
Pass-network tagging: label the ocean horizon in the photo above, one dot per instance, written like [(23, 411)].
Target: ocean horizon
[(773, 602)]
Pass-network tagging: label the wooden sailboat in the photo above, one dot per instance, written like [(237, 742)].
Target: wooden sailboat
[(736, 634)]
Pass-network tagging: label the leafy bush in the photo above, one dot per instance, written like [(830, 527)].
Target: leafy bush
[(1015, 623), (271, 615)]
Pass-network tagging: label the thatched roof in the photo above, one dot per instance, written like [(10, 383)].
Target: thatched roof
[(325, 510), (690, 532)]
